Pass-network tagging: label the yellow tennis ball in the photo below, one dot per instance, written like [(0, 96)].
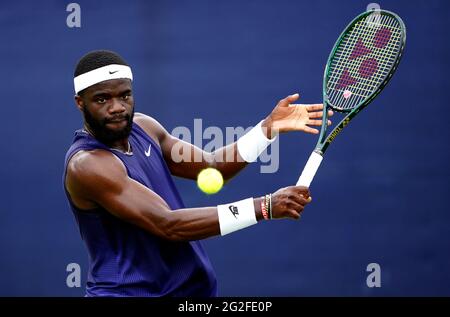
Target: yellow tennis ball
[(210, 180)]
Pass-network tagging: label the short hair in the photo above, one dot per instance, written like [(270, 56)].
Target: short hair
[(97, 59)]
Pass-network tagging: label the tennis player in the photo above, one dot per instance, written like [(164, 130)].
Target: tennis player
[(141, 239)]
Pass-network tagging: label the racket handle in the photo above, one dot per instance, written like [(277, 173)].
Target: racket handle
[(310, 169)]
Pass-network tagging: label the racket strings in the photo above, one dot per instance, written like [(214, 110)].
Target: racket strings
[(351, 74), (366, 69), (362, 60), (359, 49)]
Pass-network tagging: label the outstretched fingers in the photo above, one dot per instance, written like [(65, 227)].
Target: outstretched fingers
[(317, 122), (310, 130), (288, 100), (314, 107), (319, 114)]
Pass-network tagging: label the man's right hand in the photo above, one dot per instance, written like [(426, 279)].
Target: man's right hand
[(289, 202)]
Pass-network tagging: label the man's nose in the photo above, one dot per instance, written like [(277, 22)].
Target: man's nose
[(116, 106)]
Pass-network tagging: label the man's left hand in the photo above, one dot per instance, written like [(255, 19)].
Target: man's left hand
[(287, 116)]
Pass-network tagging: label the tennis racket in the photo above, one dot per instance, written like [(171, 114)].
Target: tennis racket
[(362, 62)]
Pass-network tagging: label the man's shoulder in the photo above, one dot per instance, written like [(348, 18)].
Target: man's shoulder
[(138, 115), (150, 125), (143, 119), (91, 162), (91, 173)]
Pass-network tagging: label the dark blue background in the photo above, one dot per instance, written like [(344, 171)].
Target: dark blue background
[(380, 196)]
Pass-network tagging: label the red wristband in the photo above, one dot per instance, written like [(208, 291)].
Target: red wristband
[(264, 209)]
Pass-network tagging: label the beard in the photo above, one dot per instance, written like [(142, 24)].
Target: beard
[(103, 133)]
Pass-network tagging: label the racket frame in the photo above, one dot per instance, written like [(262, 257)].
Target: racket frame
[(316, 157), (323, 141)]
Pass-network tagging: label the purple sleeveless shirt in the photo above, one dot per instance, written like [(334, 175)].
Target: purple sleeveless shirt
[(125, 260)]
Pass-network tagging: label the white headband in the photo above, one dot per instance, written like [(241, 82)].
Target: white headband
[(113, 71)]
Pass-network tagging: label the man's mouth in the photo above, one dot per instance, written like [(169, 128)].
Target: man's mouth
[(116, 120)]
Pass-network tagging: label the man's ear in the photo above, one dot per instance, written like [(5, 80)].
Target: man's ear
[(79, 102)]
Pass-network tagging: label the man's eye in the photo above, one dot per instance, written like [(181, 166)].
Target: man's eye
[(101, 100), (125, 97)]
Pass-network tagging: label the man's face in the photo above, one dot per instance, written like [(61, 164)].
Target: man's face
[(108, 109)]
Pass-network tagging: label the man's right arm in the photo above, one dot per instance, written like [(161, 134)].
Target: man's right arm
[(98, 178)]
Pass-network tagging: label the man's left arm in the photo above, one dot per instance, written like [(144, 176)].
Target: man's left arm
[(187, 160)]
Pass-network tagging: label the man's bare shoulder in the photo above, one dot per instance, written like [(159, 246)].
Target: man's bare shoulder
[(92, 174), (85, 165), (143, 119), (150, 125)]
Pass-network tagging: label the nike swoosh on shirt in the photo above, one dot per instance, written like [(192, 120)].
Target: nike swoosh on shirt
[(147, 153)]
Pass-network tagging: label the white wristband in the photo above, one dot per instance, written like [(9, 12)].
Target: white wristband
[(236, 216), (252, 144)]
